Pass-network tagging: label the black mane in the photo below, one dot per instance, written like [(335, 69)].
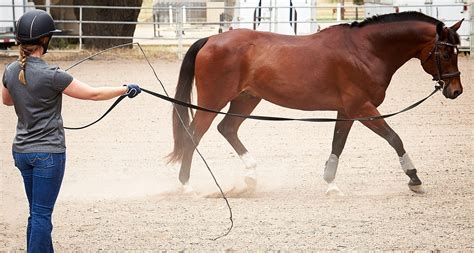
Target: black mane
[(396, 17)]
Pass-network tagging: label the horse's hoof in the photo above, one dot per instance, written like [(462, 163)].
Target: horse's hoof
[(416, 189), (333, 190)]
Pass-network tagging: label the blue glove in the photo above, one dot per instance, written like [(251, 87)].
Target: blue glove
[(132, 90)]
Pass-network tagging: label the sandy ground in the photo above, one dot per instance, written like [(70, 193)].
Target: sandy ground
[(119, 194)]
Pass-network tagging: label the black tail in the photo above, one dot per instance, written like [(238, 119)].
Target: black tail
[(183, 93)]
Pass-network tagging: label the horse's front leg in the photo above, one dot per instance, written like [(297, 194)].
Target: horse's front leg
[(341, 131), (381, 128)]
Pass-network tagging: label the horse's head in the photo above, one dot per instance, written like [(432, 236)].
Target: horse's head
[(441, 60)]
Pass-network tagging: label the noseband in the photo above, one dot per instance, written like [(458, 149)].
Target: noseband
[(440, 76)]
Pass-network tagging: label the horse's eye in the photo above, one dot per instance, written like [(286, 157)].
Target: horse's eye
[(446, 54)]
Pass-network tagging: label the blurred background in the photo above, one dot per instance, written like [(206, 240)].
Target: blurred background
[(176, 24)]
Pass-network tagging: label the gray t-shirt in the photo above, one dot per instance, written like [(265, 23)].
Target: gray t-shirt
[(37, 105)]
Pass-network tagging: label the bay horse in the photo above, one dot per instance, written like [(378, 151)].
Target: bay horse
[(345, 68)]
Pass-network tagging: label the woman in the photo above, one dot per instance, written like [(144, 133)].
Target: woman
[(35, 89)]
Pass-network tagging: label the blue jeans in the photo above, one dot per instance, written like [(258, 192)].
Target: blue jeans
[(42, 175)]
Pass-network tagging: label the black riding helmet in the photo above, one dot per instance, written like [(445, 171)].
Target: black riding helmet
[(34, 25)]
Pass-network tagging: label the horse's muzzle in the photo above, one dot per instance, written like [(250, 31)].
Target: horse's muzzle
[(452, 93)]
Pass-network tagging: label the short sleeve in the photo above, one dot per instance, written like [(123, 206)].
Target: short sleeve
[(61, 79), (4, 78)]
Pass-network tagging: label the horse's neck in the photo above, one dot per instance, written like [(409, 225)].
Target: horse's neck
[(396, 43)]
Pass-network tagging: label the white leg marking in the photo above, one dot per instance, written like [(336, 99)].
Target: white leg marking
[(331, 168), (250, 177), (250, 165), (406, 163)]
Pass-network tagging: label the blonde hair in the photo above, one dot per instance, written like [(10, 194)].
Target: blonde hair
[(25, 51)]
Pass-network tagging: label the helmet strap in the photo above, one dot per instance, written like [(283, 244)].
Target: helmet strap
[(46, 45)]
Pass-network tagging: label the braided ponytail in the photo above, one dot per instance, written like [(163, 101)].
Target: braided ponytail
[(25, 51)]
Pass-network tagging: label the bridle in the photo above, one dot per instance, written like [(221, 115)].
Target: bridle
[(439, 75)]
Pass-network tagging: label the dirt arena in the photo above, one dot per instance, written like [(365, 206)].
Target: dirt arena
[(119, 194)]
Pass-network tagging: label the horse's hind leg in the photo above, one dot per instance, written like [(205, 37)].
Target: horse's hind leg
[(341, 131), (243, 104), (381, 128), (199, 126)]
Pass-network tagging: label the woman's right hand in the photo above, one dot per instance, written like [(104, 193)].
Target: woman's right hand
[(132, 90)]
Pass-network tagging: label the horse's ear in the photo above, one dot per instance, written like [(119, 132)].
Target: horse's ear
[(456, 26), (441, 30)]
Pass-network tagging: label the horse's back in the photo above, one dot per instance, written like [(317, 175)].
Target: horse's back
[(256, 48), (239, 36), (272, 66)]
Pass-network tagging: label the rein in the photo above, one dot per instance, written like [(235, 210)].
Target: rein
[(256, 117), (272, 118), (166, 97)]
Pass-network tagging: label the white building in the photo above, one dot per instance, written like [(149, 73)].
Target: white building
[(10, 11), (292, 17)]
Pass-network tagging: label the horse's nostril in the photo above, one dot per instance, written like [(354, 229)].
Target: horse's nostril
[(457, 93)]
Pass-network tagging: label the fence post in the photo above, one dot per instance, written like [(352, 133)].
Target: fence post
[(275, 15), (179, 30), (183, 10), (314, 18), (270, 18), (80, 27), (471, 39), (170, 14), (14, 16), (338, 12), (48, 6), (154, 23)]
